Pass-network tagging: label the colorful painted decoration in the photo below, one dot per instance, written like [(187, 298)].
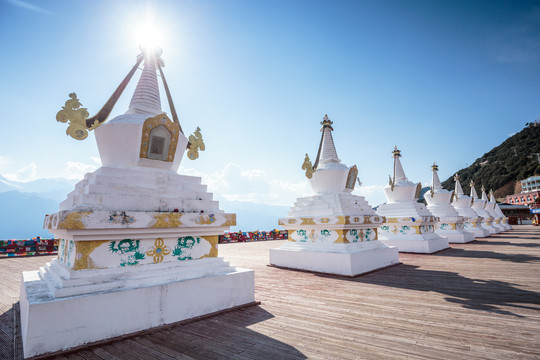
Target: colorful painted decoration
[(158, 250), (129, 249)]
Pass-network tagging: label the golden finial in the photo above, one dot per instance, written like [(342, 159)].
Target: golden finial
[(79, 121), (482, 188), (471, 184), (326, 123), (308, 167), (196, 143), (456, 177), (434, 167), (396, 152), (76, 115)]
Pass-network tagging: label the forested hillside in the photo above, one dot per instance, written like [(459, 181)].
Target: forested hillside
[(503, 166)]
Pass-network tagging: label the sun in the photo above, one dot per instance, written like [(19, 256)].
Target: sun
[(148, 34)]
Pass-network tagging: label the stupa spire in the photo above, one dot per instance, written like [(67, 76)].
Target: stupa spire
[(146, 99), (327, 150), (491, 196), (399, 174), (474, 195), (435, 182), (484, 195), (458, 190)]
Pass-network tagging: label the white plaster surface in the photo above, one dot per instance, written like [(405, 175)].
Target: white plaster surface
[(427, 244), (51, 324), (438, 203), (366, 258), (140, 189)]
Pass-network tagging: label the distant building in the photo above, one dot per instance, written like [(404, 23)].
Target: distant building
[(517, 214), (530, 192)]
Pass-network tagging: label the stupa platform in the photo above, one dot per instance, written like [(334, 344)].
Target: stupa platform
[(484, 293)]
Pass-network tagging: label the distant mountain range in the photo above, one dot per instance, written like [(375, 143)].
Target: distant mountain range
[(504, 166), (24, 206)]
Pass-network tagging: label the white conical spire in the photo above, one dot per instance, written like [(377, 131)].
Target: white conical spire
[(492, 197), (474, 195), (328, 149), (146, 98), (399, 174), (458, 189), (435, 182), (484, 195)]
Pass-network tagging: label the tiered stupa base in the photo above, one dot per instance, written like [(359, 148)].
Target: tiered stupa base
[(421, 244), (353, 261), (118, 272), (489, 227), (336, 244), (477, 229), (506, 226), (415, 234), (498, 226), (61, 308), (454, 230)]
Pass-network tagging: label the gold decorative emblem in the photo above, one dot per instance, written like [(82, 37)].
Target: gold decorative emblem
[(196, 143), (167, 220), (308, 167), (158, 250), (74, 221), (76, 115)]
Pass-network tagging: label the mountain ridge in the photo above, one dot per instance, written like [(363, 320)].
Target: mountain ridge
[(502, 168)]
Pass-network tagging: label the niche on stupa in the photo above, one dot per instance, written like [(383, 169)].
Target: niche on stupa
[(351, 178), (159, 138)]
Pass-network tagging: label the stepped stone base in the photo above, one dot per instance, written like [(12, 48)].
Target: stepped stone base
[(354, 262), (417, 243), (456, 237), (100, 304)]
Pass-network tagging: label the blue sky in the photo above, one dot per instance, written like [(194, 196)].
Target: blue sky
[(445, 81)]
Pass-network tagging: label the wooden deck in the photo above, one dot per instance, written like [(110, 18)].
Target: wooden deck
[(473, 301)]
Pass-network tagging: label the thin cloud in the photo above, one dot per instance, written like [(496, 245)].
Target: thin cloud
[(75, 170), (24, 174), (30, 7)]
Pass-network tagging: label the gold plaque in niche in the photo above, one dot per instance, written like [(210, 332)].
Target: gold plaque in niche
[(154, 139)]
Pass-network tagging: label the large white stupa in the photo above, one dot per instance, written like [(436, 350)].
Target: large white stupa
[(490, 209), (332, 231), (139, 242), (462, 203), (450, 223), (409, 225), (497, 210), (478, 206)]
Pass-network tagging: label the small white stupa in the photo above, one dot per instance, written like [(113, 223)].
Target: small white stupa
[(462, 203), (497, 210), (409, 225), (489, 208), (139, 242), (450, 223), (332, 231), (479, 206)]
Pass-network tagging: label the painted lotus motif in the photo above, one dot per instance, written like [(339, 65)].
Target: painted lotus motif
[(158, 251)]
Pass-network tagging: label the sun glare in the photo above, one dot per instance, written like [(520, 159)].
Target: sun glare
[(148, 34)]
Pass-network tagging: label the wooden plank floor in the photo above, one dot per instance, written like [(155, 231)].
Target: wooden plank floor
[(474, 301)]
